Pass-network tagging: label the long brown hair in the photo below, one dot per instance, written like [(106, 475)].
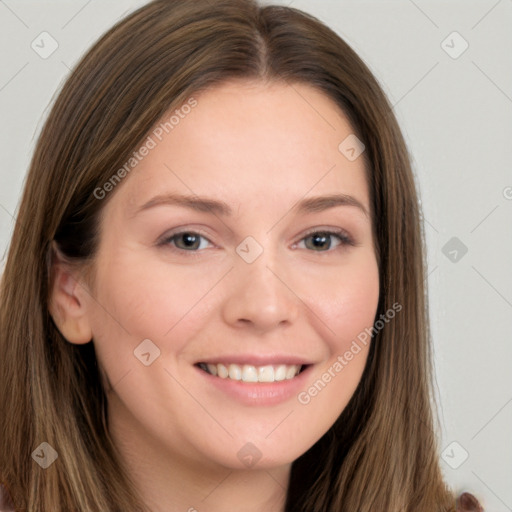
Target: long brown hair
[(381, 454)]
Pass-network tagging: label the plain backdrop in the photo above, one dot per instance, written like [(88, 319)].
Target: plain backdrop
[(447, 68)]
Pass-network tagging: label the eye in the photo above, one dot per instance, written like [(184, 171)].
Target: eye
[(318, 240), (185, 240), (322, 240)]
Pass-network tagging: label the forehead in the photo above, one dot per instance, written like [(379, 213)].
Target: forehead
[(246, 141)]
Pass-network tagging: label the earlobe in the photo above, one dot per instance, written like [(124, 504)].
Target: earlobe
[(66, 305)]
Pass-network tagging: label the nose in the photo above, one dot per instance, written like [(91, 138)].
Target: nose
[(259, 296)]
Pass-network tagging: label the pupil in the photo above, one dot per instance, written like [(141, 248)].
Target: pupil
[(321, 239), (189, 239)]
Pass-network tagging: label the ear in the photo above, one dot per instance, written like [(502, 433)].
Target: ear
[(67, 304)]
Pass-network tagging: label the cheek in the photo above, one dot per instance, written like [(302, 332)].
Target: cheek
[(178, 309), (137, 301), (347, 305), (356, 306), (349, 313), (345, 299)]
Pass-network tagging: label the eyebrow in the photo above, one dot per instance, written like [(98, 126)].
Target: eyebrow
[(215, 206)]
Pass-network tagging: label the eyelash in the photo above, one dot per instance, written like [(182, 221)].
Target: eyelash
[(342, 235)]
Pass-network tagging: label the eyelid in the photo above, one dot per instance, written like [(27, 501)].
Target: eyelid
[(343, 235), (330, 230), (165, 239)]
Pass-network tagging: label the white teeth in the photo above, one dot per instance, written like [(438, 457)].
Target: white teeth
[(280, 372), (212, 368), (266, 374), (235, 372), (250, 373), (222, 371), (290, 373)]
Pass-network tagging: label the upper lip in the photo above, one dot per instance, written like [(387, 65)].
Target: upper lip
[(255, 360)]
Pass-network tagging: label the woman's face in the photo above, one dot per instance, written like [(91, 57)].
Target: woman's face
[(213, 250)]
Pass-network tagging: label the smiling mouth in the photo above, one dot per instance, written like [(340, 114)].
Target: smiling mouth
[(251, 373)]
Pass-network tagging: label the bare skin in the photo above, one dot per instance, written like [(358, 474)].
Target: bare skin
[(261, 149)]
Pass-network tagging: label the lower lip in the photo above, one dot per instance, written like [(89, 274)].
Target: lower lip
[(259, 393)]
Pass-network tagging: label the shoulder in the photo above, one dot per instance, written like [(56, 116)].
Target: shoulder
[(466, 502), (6, 505)]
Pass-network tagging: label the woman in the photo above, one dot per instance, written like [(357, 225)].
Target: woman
[(258, 373)]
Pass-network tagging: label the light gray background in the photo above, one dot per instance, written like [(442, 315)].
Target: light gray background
[(456, 115)]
